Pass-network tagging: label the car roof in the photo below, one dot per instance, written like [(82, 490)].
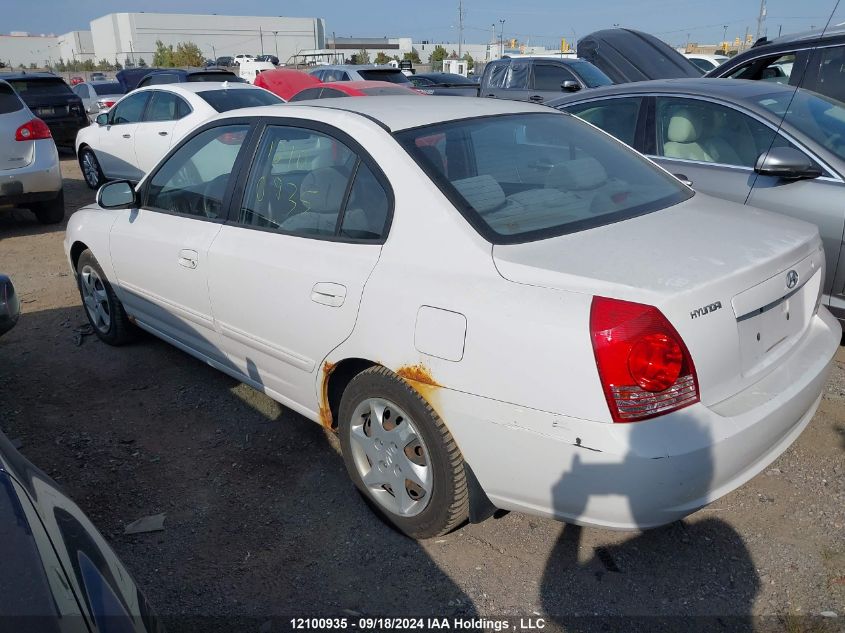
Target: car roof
[(193, 87), (801, 36), (396, 113), (13, 76), (355, 67)]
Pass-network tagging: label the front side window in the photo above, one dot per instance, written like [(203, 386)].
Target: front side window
[(707, 132), (194, 179), (130, 109), (551, 77), (615, 116), (777, 68), (304, 182), (820, 118), (165, 106), (592, 76), (523, 177)]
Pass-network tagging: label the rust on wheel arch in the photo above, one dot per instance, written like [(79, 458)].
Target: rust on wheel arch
[(418, 373), (325, 409)]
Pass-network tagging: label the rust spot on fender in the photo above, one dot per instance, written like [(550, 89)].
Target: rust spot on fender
[(417, 373), (325, 409)]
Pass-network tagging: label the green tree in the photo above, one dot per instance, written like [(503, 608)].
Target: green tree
[(127, 63), (413, 56), (88, 65), (188, 54), (469, 60), (361, 57), (60, 65), (142, 63), (103, 64), (437, 56), (163, 56), (381, 58), (33, 65)]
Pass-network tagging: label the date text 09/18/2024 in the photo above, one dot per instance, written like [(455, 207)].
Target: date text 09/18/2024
[(364, 623)]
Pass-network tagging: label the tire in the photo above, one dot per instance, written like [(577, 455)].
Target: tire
[(51, 211), (419, 445), (102, 307), (92, 173)]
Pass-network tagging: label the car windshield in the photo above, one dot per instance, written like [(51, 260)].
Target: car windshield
[(450, 79), (393, 76), (108, 88), (522, 177), (591, 75), (818, 117), (40, 87), (224, 100), (387, 90)]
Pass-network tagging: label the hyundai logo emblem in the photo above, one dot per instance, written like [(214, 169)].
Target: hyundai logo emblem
[(791, 279)]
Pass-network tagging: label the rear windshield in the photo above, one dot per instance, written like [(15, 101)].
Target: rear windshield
[(523, 177), (9, 101), (817, 116), (386, 90), (41, 87), (108, 88), (224, 100), (591, 75), (393, 76), (224, 76)]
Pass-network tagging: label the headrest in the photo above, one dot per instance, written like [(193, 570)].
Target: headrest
[(683, 128), (482, 192), (322, 190), (577, 175)]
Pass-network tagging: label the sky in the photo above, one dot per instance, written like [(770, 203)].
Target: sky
[(539, 22)]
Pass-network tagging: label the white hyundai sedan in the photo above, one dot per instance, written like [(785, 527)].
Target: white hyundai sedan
[(494, 304), (128, 140)]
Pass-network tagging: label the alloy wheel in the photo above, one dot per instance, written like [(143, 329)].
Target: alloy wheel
[(90, 169), (95, 298)]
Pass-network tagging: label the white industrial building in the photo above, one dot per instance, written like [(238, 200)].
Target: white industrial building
[(24, 49), (121, 36)]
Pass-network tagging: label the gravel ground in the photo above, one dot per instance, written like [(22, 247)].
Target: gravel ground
[(262, 520)]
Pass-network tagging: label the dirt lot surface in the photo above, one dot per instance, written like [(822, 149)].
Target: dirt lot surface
[(262, 519)]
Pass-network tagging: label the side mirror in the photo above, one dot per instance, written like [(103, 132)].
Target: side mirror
[(116, 195), (787, 163), (570, 86), (10, 305), (102, 119)]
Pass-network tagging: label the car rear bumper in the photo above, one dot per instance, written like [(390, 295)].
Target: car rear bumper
[(645, 474), (39, 181)]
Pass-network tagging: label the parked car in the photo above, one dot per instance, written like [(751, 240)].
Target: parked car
[(30, 174), (68, 577), (238, 59), (814, 60), (76, 80), (268, 58), (285, 82), (98, 96), (51, 100), (128, 140), (181, 75), (225, 61), (455, 253), (129, 77), (706, 63), (366, 72), (353, 89), (10, 305), (627, 55), (98, 76), (248, 71), (538, 78), (730, 139), (447, 84)]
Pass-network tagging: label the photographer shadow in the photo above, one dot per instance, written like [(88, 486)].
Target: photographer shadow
[(685, 576)]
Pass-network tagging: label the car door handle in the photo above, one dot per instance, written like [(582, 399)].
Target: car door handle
[(329, 294), (127, 136), (162, 133), (188, 258), (536, 98), (493, 96)]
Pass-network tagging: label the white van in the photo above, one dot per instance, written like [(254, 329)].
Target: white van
[(249, 70)]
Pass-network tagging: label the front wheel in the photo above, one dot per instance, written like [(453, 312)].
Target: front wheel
[(102, 307), (401, 456), (91, 169)]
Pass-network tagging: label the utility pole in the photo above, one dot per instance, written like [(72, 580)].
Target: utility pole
[(745, 39), (725, 38), (276, 42), (502, 39), (460, 28), (261, 39), (761, 21)]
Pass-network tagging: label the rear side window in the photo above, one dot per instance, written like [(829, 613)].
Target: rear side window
[(615, 116), (497, 75), (40, 87), (393, 76), (224, 100), (827, 73), (108, 88), (9, 101), (165, 106), (517, 77), (82, 91)]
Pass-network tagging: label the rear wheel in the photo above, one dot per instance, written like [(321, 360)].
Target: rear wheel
[(51, 211), (102, 307), (401, 456), (91, 170)]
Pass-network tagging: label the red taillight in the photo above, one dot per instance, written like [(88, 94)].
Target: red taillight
[(32, 131), (106, 103), (644, 366)]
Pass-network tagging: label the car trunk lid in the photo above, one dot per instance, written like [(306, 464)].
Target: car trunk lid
[(740, 285)]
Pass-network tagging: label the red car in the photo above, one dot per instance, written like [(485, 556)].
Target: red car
[(352, 89), (285, 82), (76, 80)]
